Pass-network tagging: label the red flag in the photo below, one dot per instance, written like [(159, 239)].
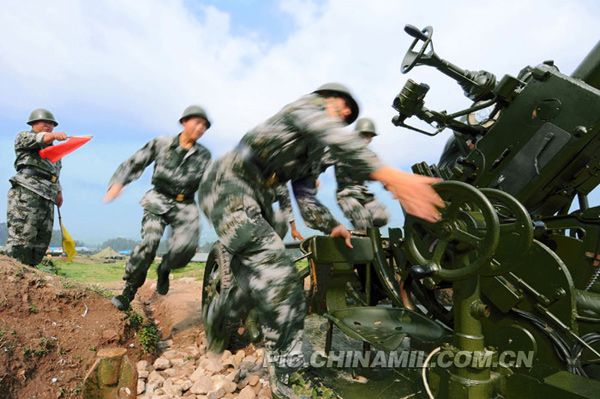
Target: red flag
[(55, 152)]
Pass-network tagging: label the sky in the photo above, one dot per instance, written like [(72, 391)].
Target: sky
[(123, 71)]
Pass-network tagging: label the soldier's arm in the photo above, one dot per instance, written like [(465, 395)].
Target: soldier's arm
[(315, 214), (285, 203), (415, 193), (133, 167), (29, 140)]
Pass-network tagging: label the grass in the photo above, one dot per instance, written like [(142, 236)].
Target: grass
[(96, 273)]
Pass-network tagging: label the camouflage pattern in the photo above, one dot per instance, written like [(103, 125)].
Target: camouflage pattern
[(238, 194), (176, 172), (29, 222), (30, 210), (184, 220), (27, 145), (356, 200)]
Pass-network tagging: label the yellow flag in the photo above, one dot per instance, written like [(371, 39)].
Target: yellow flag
[(68, 244)]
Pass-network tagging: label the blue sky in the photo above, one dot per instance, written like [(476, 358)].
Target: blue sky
[(124, 70)]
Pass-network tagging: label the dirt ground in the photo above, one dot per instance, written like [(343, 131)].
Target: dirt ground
[(51, 328), (50, 331)]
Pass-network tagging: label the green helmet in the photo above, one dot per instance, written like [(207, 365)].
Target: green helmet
[(365, 126), (339, 89), (195, 110), (41, 114)]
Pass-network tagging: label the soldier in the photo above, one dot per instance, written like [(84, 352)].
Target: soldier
[(357, 202), (179, 163), (238, 196), (35, 189)]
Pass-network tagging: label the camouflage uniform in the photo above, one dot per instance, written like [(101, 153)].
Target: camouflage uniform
[(238, 194), (176, 177), (356, 200), (30, 211)]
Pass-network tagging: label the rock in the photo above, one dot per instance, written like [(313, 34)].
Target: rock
[(162, 363), (110, 335), (142, 365), (202, 385), (171, 354), (238, 358), (233, 376), (141, 387), (212, 365), (156, 379), (200, 372), (218, 394), (177, 362), (192, 351), (143, 374), (171, 372), (171, 389), (185, 385), (247, 393), (253, 379)]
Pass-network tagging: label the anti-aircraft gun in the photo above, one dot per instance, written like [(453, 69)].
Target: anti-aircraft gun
[(510, 268)]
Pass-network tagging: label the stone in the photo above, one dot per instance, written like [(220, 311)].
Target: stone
[(217, 394), (247, 393), (171, 354), (143, 374), (141, 387), (200, 372), (156, 379), (162, 363), (141, 365), (202, 385), (253, 379), (212, 365)]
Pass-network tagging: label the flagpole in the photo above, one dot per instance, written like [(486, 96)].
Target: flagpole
[(62, 237)]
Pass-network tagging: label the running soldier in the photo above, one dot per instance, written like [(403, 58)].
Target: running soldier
[(34, 192), (356, 200), (238, 193), (179, 164)]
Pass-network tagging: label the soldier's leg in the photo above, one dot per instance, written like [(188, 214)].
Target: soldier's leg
[(141, 258), (184, 220), (355, 211), (45, 216), (26, 212), (378, 212)]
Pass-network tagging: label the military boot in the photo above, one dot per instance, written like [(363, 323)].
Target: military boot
[(162, 285), (123, 301)]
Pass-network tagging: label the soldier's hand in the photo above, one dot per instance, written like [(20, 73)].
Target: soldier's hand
[(296, 235), (415, 193), (113, 192), (342, 231), (59, 199), (50, 137)]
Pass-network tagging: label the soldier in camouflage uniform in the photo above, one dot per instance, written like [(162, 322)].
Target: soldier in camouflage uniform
[(357, 202), (238, 193), (179, 163), (35, 189)]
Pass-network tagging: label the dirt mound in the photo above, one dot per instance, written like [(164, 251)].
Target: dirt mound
[(50, 330)]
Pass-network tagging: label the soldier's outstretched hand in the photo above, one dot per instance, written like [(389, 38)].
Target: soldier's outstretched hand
[(415, 193), (342, 231), (113, 192)]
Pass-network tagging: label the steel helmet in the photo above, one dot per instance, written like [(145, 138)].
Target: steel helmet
[(41, 114), (195, 110), (339, 89)]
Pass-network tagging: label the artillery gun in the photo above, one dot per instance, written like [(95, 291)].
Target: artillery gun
[(514, 264)]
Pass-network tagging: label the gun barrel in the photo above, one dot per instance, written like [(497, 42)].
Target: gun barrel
[(589, 69)]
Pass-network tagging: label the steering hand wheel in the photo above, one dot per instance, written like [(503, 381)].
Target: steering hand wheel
[(412, 57)]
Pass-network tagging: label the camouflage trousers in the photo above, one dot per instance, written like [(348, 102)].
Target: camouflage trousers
[(30, 218), (184, 222), (361, 208), (239, 205)]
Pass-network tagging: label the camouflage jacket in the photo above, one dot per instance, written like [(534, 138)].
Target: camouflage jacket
[(298, 143), (176, 171), (349, 184), (27, 145)]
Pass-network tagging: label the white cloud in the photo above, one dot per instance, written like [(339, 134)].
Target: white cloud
[(134, 65)]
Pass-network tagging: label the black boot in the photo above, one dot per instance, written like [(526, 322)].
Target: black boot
[(162, 285), (123, 301)]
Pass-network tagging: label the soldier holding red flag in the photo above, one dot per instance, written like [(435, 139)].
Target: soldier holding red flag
[(35, 190)]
